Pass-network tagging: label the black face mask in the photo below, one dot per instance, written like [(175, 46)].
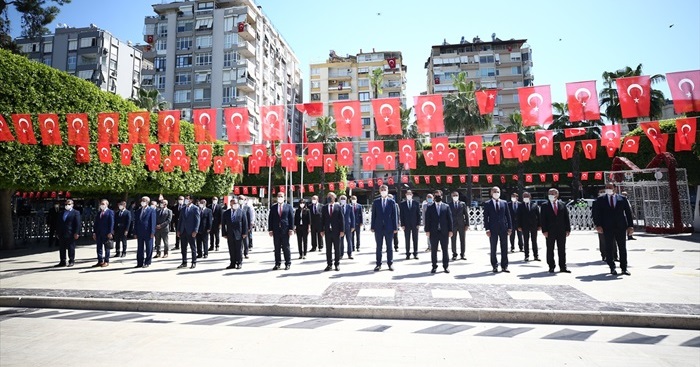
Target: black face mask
[(438, 198)]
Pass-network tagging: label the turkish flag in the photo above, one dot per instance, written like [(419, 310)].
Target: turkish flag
[(440, 147), (126, 153), (589, 148), (345, 153), (545, 142), (104, 152), (389, 161), (331, 186), (185, 164), (493, 155), (169, 126), (429, 157), (237, 124), (486, 99), (272, 122), (204, 121), (473, 149), (313, 109), (528, 178), (204, 157), (177, 155), (416, 179), (253, 166), (82, 153), (426, 179), (368, 162), (682, 85), (686, 131), (50, 131), (525, 150), (387, 115), (543, 177), (635, 96), (407, 152), (567, 149), (452, 158), (230, 155), (391, 62), (360, 184), (438, 179), (254, 190), (139, 127), (153, 156), (404, 179), (653, 133), (582, 98), (24, 128), (78, 128), (348, 118), (329, 163), (598, 176), (475, 179), (429, 113), (515, 177), (5, 133), (168, 164), (584, 176), (462, 178), (271, 159), (489, 178), (289, 157), (509, 145), (630, 144), (315, 156), (258, 153), (536, 105), (555, 177), (108, 127), (236, 191), (610, 138), (375, 148), (219, 165), (574, 132)]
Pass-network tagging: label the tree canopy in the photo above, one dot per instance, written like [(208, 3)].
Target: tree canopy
[(36, 15)]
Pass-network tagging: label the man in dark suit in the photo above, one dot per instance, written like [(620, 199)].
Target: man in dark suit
[(528, 219), (216, 211), (398, 224), (301, 228), (333, 221), (177, 209), (460, 224), (52, 219), (234, 228), (316, 212), (164, 217), (384, 225), (205, 222), (498, 226), (145, 231), (280, 225), (513, 207), (556, 226), (349, 228), (187, 228), (68, 231), (122, 221), (359, 220), (613, 219), (439, 228), (247, 207), (103, 232), (409, 212)]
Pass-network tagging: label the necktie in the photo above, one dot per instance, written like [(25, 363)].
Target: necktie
[(437, 207), (383, 203), (409, 205), (555, 207), (330, 209), (65, 215), (280, 209), (495, 204), (612, 203), (102, 214)]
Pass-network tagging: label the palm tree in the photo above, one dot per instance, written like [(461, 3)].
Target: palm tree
[(324, 132), (376, 80), (526, 135), (609, 98), (150, 100), (409, 130)]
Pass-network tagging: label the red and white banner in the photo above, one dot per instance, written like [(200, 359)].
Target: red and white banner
[(348, 118), (682, 85), (108, 127), (536, 105), (169, 126), (387, 115), (139, 127), (429, 113), (582, 98), (686, 132), (345, 153), (486, 100), (545, 142), (78, 128), (635, 96), (50, 131), (237, 124), (273, 123)]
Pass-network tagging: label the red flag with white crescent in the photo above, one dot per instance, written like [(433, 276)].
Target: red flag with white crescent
[(407, 150), (486, 100), (493, 155), (139, 127), (5, 133), (169, 126), (462, 178), (391, 61), (153, 156), (204, 121), (126, 153), (509, 145), (598, 175), (440, 148), (230, 155), (168, 164), (219, 165), (528, 178), (50, 131), (78, 128), (108, 127), (634, 93), (204, 157), (345, 153), (389, 161), (82, 154), (24, 128), (177, 155), (313, 109), (315, 156), (543, 177), (630, 144), (375, 148), (368, 162), (524, 151), (545, 142), (272, 122), (555, 177), (473, 150), (584, 176), (329, 163), (253, 166), (452, 158), (582, 98), (653, 133), (348, 118), (289, 157), (429, 113), (589, 148), (489, 178), (610, 139), (574, 132), (566, 149), (686, 131), (429, 157), (387, 115), (237, 124), (104, 152), (682, 85), (259, 154), (475, 178), (536, 105)]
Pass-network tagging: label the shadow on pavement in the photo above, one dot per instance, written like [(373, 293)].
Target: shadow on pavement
[(422, 274), (203, 271), (540, 274), (99, 270), (598, 277), (248, 272), (353, 274), (287, 274), (475, 275)]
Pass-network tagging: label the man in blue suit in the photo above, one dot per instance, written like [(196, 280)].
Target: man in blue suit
[(145, 230), (234, 228), (122, 222), (349, 228), (68, 231), (280, 225), (613, 218), (187, 228), (384, 226), (409, 212), (498, 225), (439, 228), (359, 220), (333, 225), (103, 232)]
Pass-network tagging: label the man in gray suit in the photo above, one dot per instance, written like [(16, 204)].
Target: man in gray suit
[(460, 223), (164, 217), (187, 228)]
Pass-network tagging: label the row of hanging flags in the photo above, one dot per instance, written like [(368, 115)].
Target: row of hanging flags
[(535, 102)]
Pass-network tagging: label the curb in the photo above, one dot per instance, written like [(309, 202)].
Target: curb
[(587, 318)]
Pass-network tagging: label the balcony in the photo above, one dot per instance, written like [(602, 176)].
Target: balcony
[(340, 75), (246, 48), (248, 33), (392, 85), (245, 84), (240, 10)]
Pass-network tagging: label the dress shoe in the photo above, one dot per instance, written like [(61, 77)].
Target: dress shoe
[(276, 267), (447, 270), (565, 270), (96, 265), (408, 257), (462, 257), (613, 272), (304, 257), (146, 265), (183, 265), (527, 258), (138, 266), (551, 270), (341, 257), (351, 258), (194, 265), (238, 266), (105, 264), (60, 265), (328, 268), (286, 267), (231, 267), (377, 268), (124, 254), (70, 264), (454, 257), (206, 256), (117, 254), (176, 248), (337, 268), (415, 257), (165, 256), (495, 270), (245, 257), (537, 258), (301, 257), (625, 272), (433, 270), (396, 248), (199, 256), (512, 249), (505, 270), (216, 248), (631, 238), (320, 248), (211, 248), (157, 255), (313, 250), (390, 268), (521, 249)]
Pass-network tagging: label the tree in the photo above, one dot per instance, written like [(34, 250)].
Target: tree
[(324, 132), (376, 80), (610, 100), (150, 100), (526, 135), (408, 131), (36, 15)]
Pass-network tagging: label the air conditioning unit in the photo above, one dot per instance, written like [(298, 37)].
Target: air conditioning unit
[(113, 73)]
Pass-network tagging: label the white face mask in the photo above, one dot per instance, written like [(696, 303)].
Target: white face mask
[(409, 197), (314, 201), (609, 191), (56, 206), (455, 198), (214, 201), (280, 200), (103, 207), (526, 200), (513, 199), (201, 206), (552, 198), (234, 206), (601, 194), (69, 207), (496, 195), (354, 201), (343, 201), (144, 204), (121, 207), (181, 201), (384, 193), (301, 205)]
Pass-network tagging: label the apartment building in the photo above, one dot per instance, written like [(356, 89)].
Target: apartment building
[(218, 54), (348, 78), (89, 53)]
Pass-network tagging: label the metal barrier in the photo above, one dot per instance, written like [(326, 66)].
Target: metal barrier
[(34, 227)]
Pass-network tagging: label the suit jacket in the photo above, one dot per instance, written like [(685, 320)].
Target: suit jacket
[(122, 221), (163, 218), (145, 224), (528, 216), (384, 217), (234, 223), (460, 215), (409, 217), (277, 223), (615, 218), (104, 224), (189, 220), (206, 220), (69, 224), (513, 211), (359, 215), (442, 220), (53, 217), (250, 216), (216, 211), (316, 214), (555, 224), (302, 220), (349, 217), (333, 223), (497, 217)]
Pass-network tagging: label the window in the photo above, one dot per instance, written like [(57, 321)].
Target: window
[(182, 96), (228, 24), (365, 108), (364, 96), (394, 94), (499, 99), (161, 45), (203, 59), (185, 25), (229, 95), (363, 82), (315, 96), (72, 62), (47, 60), (72, 45), (315, 71), (204, 41), (85, 74), (160, 82), (87, 60), (230, 58), (365, 121), (159, 63), (186, 114), (363, 71), (315, 84), (88, 42), (486, 59), (48, 47), (183, 78), (450, 76), (516, 70), (183, 61), (162, 29), (343, 96), (202, 94), (488, 71), (230, 40), (367, 134), (204, 23), (202, 77), (205, 6), (516, 99), (184, 43)]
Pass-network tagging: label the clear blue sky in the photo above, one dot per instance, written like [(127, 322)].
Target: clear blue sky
[(571, 40)]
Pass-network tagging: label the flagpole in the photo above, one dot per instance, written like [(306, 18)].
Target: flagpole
[(269, 177), (303, 126)]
